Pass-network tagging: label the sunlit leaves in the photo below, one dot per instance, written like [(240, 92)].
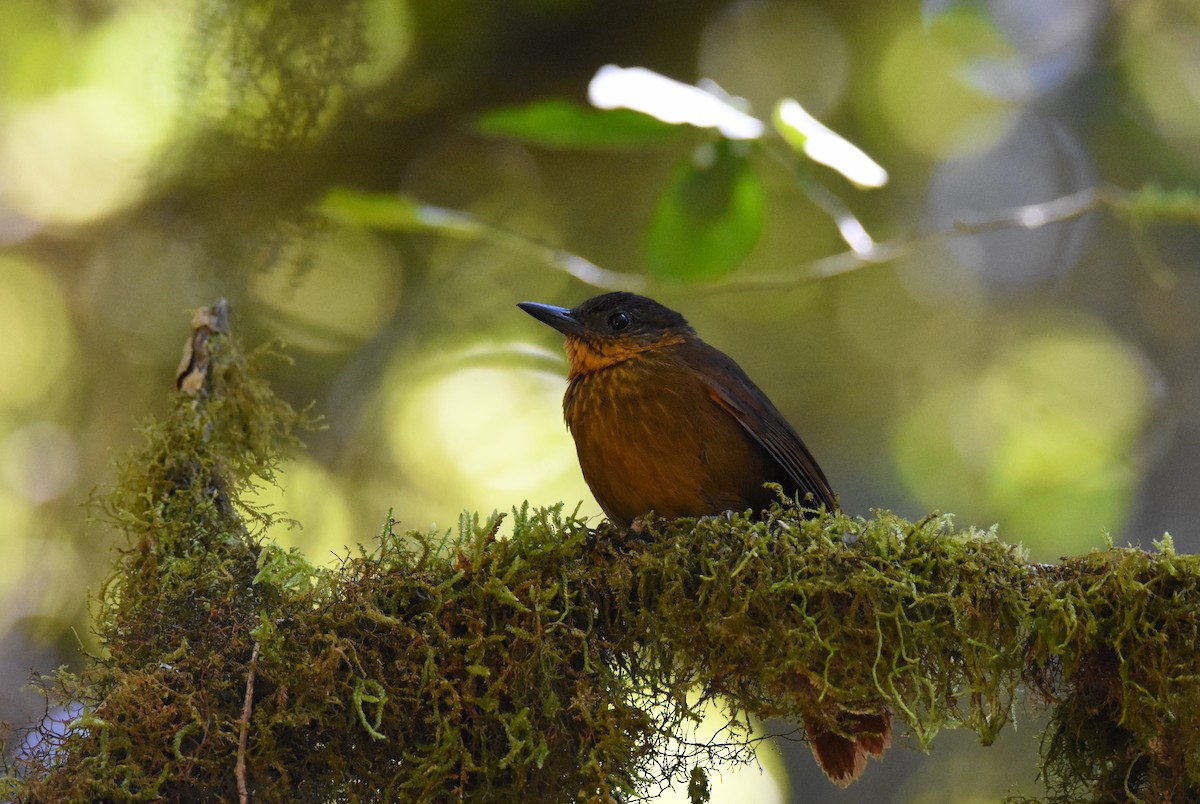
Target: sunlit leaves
[(809, 136), (561, 124), (670, 101), (710, 215), (708, 218)]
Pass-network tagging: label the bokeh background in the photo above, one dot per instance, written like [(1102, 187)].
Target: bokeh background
[(156, 156)]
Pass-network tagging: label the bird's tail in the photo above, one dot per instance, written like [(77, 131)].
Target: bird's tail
[(845, 758)]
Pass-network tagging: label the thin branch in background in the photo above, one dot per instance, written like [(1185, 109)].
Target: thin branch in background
[(1027, 216), (863, 252), (399, 212), (1147, 204), (587, 271), (1035, 216), (848, 225), (584, 270)]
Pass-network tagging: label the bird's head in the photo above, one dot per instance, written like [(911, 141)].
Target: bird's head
[(608, 329)]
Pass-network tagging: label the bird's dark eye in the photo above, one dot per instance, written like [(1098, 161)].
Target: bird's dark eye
[(618, 321)]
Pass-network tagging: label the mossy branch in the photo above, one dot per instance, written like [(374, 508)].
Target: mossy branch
[(570, 663)]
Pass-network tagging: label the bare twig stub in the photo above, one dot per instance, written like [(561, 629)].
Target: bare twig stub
[(244, 732), (191, 375)]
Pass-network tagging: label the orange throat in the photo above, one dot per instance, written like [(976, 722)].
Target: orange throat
[(587, 357)]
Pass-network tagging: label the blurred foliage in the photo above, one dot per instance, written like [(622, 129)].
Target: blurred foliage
[(708, 220), (567, 663), (561, 124), (1011, 336), (1110, 629)]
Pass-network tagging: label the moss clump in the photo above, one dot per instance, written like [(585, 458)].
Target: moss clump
[(566, 663), (817, 618), (1113, 646)]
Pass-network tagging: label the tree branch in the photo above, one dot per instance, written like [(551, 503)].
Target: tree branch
[(570, 662)]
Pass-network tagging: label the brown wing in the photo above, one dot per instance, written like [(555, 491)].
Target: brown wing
[(736, 393)]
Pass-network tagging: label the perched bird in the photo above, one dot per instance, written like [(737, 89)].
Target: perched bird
[(665, 423)]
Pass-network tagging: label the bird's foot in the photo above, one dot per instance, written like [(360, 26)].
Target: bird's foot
[(726, 516), (638, 530)]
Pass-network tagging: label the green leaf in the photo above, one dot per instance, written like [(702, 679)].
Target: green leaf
[(672, 101), (707, 219), (807, 135), (561, 124), (395, 212)]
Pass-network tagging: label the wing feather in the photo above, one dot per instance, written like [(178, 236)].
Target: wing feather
[(737, 394)]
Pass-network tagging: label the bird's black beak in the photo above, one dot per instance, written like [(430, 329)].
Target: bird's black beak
[(558, 317)]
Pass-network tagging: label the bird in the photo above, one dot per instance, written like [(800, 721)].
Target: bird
[(664, 423)]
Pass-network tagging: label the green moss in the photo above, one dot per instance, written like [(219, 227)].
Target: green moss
[(571, 663), (1113, 644)]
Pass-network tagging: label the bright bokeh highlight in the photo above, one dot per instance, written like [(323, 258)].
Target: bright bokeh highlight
[(669, 100), (1038, 438), (333, 292), (84, 148), (926, 104), (1018, 50), (36, 334), (39, 461), (484, 437), (389, 37), (313, 511), (38, 555), (805, 133), (799, 52), (1162, 65), (763, 781)]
